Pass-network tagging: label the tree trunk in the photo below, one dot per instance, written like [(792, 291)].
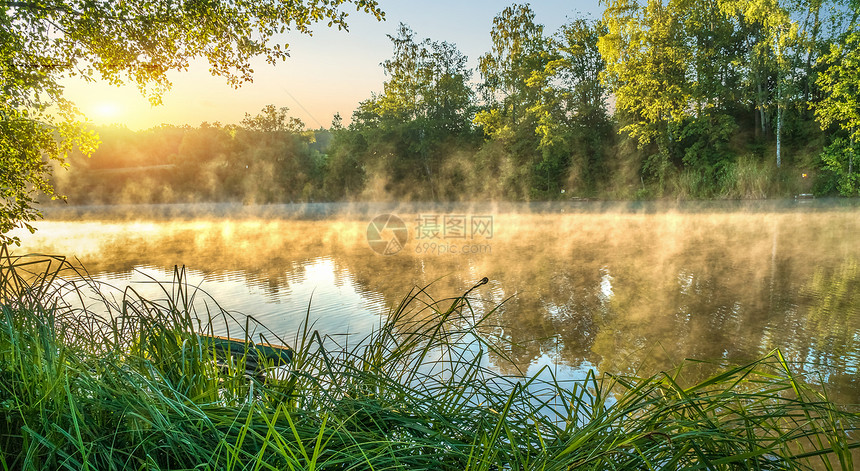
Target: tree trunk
[(757, 125), (778, 124), (851, 158), (762, 116), (816, 26)]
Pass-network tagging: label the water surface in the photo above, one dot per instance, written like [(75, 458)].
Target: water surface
[(623, 289)]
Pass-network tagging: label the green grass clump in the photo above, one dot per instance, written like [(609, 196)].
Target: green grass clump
[(91, 380)]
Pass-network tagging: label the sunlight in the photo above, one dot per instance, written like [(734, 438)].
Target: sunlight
[(107, 110)]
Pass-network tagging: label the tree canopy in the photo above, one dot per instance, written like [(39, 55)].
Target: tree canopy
[(678, 98), (840, 81), (673, 98), (45, 41)]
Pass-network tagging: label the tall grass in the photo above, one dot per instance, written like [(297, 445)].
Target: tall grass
[(92, 380), (749, 178)]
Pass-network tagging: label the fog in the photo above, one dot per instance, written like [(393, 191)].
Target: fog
[(624, 289)]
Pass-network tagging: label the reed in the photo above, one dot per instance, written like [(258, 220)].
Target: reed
[(96, 378)]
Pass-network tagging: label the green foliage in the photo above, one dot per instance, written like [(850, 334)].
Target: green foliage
[(703, 87), (700, 83), (545, 103), (840, 158), (512, 71), (544, 125), (401, 141), (428, 80), (647, 59), (572, 119), (273, 120), (840, 108), (344, 175), (27, 142), (43, 42), (748, 178)]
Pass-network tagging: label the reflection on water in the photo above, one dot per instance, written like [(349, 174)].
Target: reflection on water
[(617, 290), (336, 303)]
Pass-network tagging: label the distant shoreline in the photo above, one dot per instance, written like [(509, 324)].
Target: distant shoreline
[(369, 209)]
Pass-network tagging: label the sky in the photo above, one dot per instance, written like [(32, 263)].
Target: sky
[(329, 72)]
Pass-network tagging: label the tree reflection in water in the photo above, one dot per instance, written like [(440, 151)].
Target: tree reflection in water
[(623, 291)]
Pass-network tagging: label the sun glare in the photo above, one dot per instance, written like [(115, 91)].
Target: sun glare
[(106, 111)]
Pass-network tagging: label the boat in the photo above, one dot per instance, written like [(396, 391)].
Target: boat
[(257, 356)]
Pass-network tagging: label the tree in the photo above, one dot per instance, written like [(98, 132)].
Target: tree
[(42, 42), (840, 107), (271, 160), (428, 81), (773, 32), (519, 50), (449, 98), (572, 120), (517, 94), (273, 120), (678, 68), (648, 62), (425, 109)]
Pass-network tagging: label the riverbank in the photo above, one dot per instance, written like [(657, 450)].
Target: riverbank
[(133, 386), (367, 210)]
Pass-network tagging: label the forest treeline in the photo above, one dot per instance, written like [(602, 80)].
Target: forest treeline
[(656, 99)]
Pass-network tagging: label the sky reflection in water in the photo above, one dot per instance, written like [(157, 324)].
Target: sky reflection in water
[(626, 290)]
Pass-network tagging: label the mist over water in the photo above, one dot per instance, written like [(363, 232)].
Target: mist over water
[(635, 288)]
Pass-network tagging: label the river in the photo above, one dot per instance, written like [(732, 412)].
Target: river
[(623, 288)]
